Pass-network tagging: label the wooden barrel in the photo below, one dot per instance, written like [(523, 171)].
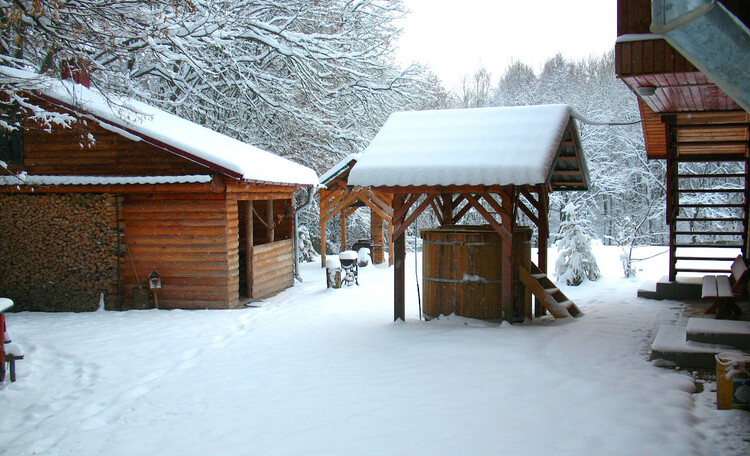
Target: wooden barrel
[(462, 270)]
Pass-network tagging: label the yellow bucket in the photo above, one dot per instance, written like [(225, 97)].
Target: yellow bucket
[(732, 381)]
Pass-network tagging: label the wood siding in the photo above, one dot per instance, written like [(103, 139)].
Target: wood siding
[(649, 57), (654, 132), (60, 153), (186, 238), (273, 268)]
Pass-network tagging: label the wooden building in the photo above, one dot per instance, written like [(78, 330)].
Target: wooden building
[(500, 162), (129, 190), (689, 117), (338, 198)]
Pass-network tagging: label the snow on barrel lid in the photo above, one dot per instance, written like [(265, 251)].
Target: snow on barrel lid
[(481, 146)]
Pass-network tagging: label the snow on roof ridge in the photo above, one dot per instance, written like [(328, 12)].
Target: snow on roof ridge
[(479, 146), (168, 131)]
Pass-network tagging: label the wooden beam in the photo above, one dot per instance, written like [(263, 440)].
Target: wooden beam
[(376, 199), (438, 212), (401, 228), (528, 213), (376, 209), (400, 212), (503, 231), (459, 215)]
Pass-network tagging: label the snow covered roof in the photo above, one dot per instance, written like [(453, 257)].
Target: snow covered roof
[(484, 146), (339, 168), (103, 180), (182, 137)]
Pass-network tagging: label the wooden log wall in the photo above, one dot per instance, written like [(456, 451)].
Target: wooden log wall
[(64, 152), (58, 252), (190, 240), (273, 268)]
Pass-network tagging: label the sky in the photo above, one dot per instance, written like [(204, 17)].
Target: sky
[(456, 40)]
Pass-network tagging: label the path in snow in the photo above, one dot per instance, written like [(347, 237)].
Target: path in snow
[(322, 371)]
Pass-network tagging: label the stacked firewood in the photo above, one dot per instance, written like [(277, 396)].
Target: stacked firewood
[(58, 252)]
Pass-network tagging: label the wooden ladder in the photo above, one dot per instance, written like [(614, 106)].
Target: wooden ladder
[(547, 293)]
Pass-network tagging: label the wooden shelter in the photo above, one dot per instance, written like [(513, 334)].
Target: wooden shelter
[(150, 192), (497, 161), (336, 197), (688, 118)]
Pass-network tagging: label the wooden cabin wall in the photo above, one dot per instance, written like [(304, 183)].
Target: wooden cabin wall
[(190, 239), (60, 153)]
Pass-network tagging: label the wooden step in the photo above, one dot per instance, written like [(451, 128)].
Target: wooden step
[(714, 246), (718, 175), (560, 307), (698, 258), (710, 205), (704, 270), (708, 233), (708, 219)]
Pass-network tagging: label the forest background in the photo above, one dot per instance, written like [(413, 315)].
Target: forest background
[(314, 82)]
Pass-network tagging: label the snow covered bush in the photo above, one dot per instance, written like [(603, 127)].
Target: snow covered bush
[(575, 261), (307, 253)]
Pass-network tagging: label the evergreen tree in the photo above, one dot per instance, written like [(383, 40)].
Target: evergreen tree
[(576, 260)]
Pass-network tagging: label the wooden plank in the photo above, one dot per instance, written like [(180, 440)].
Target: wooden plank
[(270, 247)]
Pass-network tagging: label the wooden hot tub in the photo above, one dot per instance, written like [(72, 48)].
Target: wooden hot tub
[(461, 270)]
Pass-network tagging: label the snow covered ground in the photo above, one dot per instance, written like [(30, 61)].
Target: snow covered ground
[(318, 371)]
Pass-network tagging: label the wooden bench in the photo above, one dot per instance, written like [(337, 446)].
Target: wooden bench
[(723, 290)]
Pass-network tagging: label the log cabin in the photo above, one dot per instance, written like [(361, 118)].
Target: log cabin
[(687, 63), (128, 191)]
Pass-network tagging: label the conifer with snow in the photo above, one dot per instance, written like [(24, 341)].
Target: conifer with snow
[(576, 260)]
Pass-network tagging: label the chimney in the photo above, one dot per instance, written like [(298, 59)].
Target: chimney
[(77, 71)]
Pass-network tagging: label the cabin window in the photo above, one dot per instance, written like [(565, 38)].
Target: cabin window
[(11, 142)]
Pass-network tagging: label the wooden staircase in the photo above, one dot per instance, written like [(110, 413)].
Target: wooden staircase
[(706, 210), (547, 293)]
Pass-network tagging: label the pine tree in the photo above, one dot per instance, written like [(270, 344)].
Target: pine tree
[(576, 260)]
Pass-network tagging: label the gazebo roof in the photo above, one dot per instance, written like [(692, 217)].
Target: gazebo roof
[(526, 145), (339, 168)]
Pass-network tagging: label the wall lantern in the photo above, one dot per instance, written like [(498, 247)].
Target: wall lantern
[(154, 280)]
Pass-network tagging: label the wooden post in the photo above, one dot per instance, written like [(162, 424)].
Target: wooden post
[(399, 267), (322, 242), (391, 252), (672, 198), (269, 219), (542, 240), (543, 229), (377, 235), (342, 216)]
